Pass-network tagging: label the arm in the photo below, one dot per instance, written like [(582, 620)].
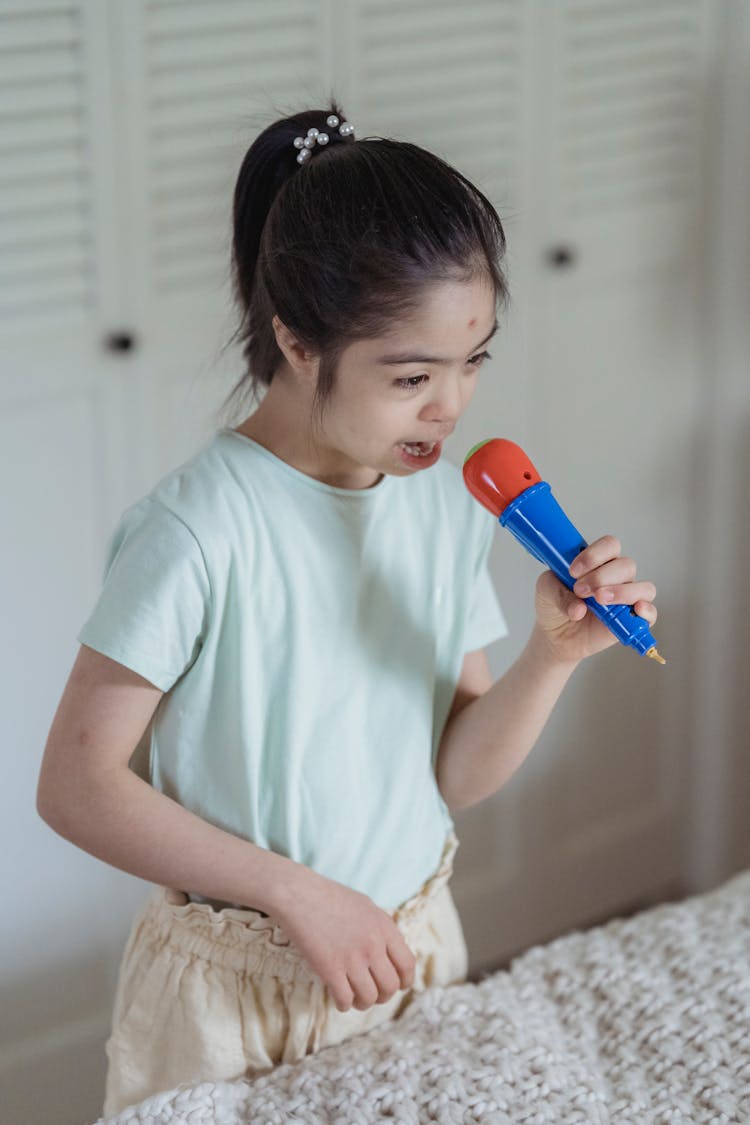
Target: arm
[(491, 729), (87, 794)]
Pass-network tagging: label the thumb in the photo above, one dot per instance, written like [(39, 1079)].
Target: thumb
[(556, 605)]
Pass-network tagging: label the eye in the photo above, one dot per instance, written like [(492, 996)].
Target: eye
[(478, 359), (411, 382)]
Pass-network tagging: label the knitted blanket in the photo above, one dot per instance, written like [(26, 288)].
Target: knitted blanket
[(641, 1020)]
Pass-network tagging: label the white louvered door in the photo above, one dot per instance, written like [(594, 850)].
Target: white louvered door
[(65, 421), (197, 82), (623, 241)]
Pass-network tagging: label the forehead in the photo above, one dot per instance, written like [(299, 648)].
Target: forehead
[(451, 318)]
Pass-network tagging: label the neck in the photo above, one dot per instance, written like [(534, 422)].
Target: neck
[(283, 424)]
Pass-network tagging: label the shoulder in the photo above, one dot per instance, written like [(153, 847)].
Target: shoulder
[(151, 544), (195, 486), (184, 511), (214, 493)]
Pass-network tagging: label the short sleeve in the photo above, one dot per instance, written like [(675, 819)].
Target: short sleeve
[(485, 622), (152, 612)]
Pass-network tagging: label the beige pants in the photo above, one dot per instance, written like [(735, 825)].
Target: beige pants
[(206, 995)]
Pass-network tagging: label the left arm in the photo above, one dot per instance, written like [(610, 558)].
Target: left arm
[(489, 734), (492, 727)]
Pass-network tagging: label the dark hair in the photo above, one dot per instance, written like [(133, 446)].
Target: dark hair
[(344, 244)]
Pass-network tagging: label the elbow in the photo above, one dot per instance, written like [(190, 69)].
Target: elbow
[(455, 804), (457, 786), (43, 797), (57, 804), (449, 794), (48, 804), (72, 801), (61, 813)]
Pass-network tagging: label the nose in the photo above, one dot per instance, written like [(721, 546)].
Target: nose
[(446, 403)]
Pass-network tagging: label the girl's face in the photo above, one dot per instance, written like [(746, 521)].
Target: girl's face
[(398, 396)]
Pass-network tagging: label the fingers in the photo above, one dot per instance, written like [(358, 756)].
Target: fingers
[(341, 992), (364, 988), (601, 572), (645, 609), (358, 951), (576, 609), (403, 960), (375, 977), (374, 984), (597, 553), (616, 593), (370, 984)]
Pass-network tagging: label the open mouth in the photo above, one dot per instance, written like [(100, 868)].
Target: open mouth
[(418, 448)]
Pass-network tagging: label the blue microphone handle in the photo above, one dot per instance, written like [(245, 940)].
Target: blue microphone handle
[(540, 525)]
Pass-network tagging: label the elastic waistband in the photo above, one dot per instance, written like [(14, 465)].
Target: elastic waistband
[(248, 941), (410, 912)]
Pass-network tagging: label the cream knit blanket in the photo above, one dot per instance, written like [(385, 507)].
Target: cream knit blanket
[(641, 1020)]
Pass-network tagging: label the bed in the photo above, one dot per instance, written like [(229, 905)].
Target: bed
[(644, 1019)]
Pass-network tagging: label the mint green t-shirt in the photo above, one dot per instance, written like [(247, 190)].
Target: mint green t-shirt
[(309, 640)]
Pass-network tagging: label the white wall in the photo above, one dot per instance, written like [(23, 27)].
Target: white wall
[(721, 730)]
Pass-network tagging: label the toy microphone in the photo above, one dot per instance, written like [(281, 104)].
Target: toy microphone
[(500, 476)]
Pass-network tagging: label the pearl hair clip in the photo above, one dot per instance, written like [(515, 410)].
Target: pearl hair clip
[(315, 137)]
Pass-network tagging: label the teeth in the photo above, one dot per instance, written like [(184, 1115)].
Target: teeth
[(419, 449)]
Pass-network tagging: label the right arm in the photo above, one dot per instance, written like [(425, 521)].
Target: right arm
[(88, 794)]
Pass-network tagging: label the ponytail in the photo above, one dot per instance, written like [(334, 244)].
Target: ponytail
[(269, 162)]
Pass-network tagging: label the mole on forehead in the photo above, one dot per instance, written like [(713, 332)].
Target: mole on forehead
[(472, 322)]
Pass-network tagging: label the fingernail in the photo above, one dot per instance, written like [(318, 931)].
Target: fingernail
[(582, 590)]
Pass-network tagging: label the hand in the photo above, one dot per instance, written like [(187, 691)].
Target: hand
[(355, 947), (571, 631)]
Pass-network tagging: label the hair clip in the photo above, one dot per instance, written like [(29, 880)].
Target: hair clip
[(316, 137)]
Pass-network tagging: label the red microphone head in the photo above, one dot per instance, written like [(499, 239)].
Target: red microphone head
[(496, 471)]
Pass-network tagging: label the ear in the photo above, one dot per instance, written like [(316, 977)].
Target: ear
[(300, 359)]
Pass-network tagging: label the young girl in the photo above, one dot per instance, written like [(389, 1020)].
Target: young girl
[(295, 621)]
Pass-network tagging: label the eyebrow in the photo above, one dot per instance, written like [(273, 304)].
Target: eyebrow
[(407, 357)]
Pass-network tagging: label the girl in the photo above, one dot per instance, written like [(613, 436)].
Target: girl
[(294, 622)]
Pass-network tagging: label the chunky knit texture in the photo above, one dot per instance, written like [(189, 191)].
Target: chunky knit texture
[(640, 1020)]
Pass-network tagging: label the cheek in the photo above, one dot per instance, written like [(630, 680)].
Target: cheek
[(378, 417), (471, 386), (370, 421)]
